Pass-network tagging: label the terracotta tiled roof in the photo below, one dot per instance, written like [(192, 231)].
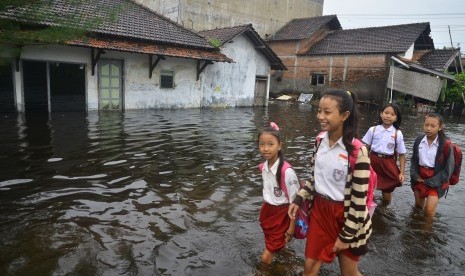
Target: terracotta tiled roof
[(301, 28), (123, 18), (150, 48), (227, 34), (387, 39), (439, 59)]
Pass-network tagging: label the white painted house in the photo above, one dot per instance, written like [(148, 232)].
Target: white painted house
[(245, 82), (136, 60)]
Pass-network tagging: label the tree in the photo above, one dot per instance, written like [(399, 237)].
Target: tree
[(454, 93)]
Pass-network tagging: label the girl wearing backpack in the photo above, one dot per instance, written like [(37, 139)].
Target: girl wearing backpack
[(431, 167), (340, 224), (277, 227), (385, 142)]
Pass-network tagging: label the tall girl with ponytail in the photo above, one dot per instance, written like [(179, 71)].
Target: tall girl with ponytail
[(340, 224)]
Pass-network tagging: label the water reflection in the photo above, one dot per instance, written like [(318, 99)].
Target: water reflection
[(177, 192)]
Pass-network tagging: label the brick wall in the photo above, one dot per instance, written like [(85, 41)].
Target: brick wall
[(364, 74)]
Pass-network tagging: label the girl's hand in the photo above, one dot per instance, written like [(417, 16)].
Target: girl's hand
[(401, 177), (339, 246), (292, 212), (420, 179), (288, 236)]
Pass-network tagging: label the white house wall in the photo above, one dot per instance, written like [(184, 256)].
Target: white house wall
[(140, 91), (233, 84)]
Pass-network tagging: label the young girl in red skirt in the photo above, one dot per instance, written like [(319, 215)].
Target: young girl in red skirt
[(385, 142), (431, 167), (340, 224), (277, 227)]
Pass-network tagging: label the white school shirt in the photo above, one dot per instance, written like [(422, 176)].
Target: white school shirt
[(331, 165), (383, 140), (270, 183), (427, 153)]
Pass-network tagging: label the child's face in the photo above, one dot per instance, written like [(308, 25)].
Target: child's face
[(388, 116), (329, 116), (269, 146), (431, 127)]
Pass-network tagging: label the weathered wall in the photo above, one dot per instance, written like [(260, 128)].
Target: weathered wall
[(267, 16), (233, 84), (364, 74), (221, 84)]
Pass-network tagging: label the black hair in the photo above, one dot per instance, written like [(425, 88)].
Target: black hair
[(346, 101), (270, 130), (396, 108), (441, 122)]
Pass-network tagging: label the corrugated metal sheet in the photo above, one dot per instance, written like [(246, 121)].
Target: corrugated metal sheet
[(413, 83)]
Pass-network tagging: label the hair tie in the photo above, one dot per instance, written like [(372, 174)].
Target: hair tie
[(274, 126)]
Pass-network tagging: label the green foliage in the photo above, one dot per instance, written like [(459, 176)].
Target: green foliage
[(16, 34), (215, 42), (453, 93)]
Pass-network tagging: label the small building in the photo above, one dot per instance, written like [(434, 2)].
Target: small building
[(319, 54), (133, 58), (245, 82), (424, 76)]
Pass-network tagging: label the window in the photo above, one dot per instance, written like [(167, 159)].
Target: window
[(166, 79), (318, 79)]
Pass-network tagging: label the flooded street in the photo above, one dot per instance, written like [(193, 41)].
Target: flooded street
[(178, 192)]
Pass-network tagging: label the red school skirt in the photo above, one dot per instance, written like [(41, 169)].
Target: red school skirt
[(274, 221), (387, 171), (425, 191), (327, 219)]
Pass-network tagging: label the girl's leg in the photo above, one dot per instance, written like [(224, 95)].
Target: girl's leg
[(419, 201), (431, 204), (387, 197), (348, 266), (311, 267), (267, 256)]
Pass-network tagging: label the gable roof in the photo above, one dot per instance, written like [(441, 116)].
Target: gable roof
[(301, 28), (386, 39), (121, 25), (118, 17), (439, 59), (229, 33)]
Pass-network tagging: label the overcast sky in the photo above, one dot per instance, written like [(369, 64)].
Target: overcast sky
[(372, 13)]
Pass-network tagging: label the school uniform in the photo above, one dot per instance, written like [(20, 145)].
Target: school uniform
[(338, 203), (274, 219), (384, 145), (433, 165)]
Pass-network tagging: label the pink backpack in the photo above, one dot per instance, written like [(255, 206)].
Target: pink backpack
[(302, 219), (372, 180)]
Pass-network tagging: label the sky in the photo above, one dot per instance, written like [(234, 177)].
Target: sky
[(372, 13)]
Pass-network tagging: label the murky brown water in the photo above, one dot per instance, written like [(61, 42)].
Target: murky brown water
[(178, 193)]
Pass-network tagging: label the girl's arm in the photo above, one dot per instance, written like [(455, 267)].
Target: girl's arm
[(357, 210), (290, 230), (443, 176), (402, 167)]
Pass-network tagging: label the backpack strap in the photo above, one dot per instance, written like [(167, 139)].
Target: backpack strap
[(353, 156), (372, 136)]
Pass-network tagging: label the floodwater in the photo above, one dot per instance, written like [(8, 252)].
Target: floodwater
[(178, 192)]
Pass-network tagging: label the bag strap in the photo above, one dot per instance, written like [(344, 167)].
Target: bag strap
[(286, 165), (372, 136)]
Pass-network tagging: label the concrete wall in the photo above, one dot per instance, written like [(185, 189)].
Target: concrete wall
[(220, 84), (364, 74), (267, 16), (233, 84)]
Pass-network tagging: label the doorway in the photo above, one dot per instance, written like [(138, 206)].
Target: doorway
[(260, 91), (110, 84), (7, 96)]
